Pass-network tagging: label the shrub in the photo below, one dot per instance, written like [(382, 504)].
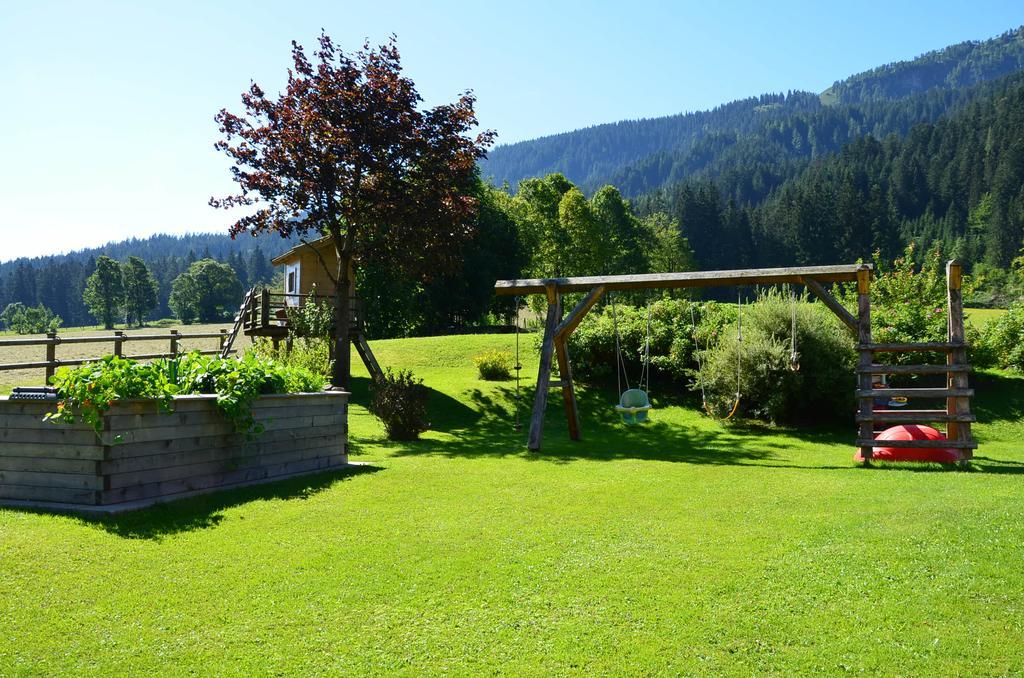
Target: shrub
[(494, 365), (400, 400), (823, 388), (88, 391), (312, 320), (592, 345), (1002, 341)]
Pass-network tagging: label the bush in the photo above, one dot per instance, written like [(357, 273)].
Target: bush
[(494, 365), (592, 345), (824, 386), (400, 400), (88, 391), (1002, 342)]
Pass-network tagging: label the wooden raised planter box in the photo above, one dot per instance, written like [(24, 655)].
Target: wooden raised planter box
[(161, 456)]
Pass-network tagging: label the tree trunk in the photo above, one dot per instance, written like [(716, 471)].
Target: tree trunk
[(342, 371)]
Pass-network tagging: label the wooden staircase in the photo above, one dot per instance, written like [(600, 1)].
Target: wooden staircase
[(956, 415), (239, 321)]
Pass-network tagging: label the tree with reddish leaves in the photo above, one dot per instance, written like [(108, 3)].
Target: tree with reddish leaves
[(346, 152)]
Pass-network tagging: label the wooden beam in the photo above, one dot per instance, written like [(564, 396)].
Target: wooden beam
[(579, 311), (957, 406), (832, 303), (762, 276), (572, 415), (866, 403), (540, 399)]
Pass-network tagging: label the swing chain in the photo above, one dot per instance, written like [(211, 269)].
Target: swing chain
[(794, 357), (517, 425)]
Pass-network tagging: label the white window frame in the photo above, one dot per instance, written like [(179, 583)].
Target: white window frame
[(292, 293)]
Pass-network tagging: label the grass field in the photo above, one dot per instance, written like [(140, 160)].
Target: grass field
[(684, 546), (980, 317)]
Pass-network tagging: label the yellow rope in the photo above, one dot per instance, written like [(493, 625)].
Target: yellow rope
[(735, 406)]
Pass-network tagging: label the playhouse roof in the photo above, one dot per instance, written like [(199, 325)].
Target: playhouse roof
[(294, 253)]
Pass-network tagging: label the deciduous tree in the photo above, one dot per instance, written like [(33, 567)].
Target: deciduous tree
[(346, 152), (140, 290), (104, 291)]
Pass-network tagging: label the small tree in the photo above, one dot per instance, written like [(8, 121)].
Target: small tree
[(140, 290), (345, 152), (29, 319), (104, 291), (207, 291)]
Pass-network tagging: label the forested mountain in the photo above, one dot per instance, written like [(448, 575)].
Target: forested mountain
[(957, 183), (778, 132), (57, 281)]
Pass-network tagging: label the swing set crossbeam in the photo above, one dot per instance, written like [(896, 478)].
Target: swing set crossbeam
[(646, 281)]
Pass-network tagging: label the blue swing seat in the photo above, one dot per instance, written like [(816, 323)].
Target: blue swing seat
[(633, 406)]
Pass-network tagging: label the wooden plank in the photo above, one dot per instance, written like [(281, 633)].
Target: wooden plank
[(93, 452), (915, 369), (572, 415), (915, 392), (756, 276), (231, 463), (220, 428), (75, 481), (218, 480), (918, 444), (914, 416), (924, 346), (578, 313), (865, 357), (51, 494), (210, 454), (54, 435), (209, 415), (540, 400), (47, 464), (957, 381), (833, 304), (34, 421), (147, 448)]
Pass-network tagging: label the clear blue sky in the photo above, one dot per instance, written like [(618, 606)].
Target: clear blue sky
[(106, 122)]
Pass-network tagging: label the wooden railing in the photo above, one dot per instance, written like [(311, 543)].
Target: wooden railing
[(52, 340), (265, 310)]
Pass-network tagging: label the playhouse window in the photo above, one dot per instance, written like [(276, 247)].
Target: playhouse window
[(291, 282)]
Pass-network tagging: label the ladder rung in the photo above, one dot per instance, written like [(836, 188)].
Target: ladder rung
[(916, 392), (914, 416), (941, 346), (913, 369), (956, 444)]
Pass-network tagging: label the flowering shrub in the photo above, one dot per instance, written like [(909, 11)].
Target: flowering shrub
[(1002, 341)]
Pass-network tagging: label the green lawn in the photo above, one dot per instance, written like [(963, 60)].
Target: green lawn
[(681, 547), (980, 317)]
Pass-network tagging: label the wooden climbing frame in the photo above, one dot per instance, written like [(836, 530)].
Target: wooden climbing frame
[(558, 327)]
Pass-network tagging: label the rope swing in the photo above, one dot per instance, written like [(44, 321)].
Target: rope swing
[(739, 361)]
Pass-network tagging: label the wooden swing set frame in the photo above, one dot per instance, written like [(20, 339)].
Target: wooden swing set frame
[(558, 327)]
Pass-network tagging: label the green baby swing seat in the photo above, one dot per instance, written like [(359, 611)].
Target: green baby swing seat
[(633, 406)]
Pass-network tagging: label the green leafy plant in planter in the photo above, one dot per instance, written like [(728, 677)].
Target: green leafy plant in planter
[(400, 400), (87, 392)]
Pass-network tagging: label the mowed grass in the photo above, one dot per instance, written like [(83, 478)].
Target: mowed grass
[(980, 317), (684, 546), (10, 355)]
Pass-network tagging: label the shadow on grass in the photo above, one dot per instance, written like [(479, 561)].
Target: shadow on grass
[(998, 397), (207, 510)]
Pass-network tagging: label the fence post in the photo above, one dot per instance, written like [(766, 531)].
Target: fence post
[(265, 308), (119, 343), (174, 343), (51, 355)]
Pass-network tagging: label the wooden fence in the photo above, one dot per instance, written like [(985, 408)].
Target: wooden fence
[(50, 362)]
